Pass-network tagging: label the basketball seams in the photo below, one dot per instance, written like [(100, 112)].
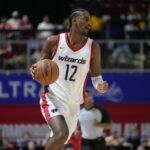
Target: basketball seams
[(42, 71), (53, 74), (56, 70), (49, 64)]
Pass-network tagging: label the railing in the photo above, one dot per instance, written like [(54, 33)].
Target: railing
[(125, 55), (117, 55)]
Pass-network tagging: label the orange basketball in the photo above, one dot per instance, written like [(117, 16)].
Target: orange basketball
[(47, 72)]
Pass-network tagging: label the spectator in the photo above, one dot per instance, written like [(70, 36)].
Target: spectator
[(130, 29), (97, 24), (23, 143), (14, 22), (115, 139), (142, 25), (133, 14), (26, 26), (147, 142), (31, 145), (8, 57), (122, 56), (130, 26), (134, 139), (140, 147), (6, 144), (4, 26), (45, 25)]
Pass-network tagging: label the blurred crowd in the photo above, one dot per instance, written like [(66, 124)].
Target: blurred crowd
[(121, 55), (110, 21), (17, 27), (118, 19), (114, 141)]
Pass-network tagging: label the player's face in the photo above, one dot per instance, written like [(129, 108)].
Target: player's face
[(83, 23)]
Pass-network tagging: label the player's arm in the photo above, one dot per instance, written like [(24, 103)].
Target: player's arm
[(95, 67), (95, 62), (46, 52)]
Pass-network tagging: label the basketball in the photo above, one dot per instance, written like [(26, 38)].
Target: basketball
[(47, 72)]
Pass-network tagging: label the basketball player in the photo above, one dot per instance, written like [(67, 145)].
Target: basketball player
[(75, 55)]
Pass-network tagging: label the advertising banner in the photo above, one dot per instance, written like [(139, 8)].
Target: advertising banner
[(20, 88)]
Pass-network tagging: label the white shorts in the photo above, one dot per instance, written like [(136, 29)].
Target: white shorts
[(51, 107)]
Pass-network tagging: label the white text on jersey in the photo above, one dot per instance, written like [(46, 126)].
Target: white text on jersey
[(74, 60)]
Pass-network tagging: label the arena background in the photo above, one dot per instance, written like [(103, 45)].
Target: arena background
[(128, 98)]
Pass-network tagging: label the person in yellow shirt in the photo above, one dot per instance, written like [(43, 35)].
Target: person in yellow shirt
[(97, 24)]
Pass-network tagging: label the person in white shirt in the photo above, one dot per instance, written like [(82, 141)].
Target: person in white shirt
[(47, 26), (14, 21), (91, 125), (13, 24)]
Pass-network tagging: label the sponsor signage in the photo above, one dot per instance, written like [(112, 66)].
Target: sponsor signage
[(19, 88)]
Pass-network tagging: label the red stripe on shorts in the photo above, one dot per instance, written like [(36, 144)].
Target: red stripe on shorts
[(45, 108)]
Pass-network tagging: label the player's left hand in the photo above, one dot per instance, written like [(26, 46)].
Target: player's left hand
[(102, 87)]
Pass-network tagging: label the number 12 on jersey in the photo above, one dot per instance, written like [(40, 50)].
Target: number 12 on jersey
[(70, 72)]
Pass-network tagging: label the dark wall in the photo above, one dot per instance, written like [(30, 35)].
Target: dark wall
[(56, 9)]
